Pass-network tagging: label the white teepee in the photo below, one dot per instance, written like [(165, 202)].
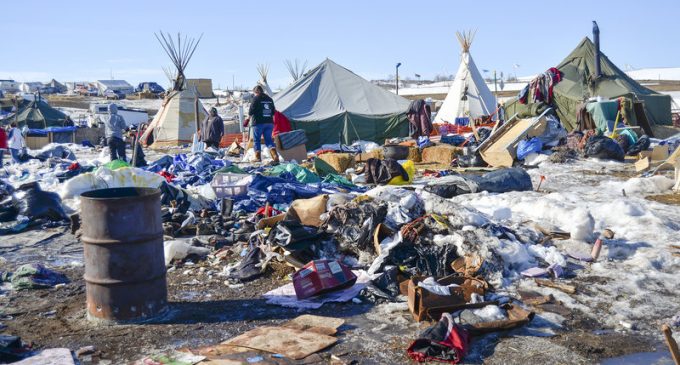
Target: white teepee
[(177, 120), (468, 96), (263, 70)]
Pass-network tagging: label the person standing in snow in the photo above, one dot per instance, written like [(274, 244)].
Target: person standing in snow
[(3, 144), (212, 129), (15, 142), (261, 115), (114, 125)]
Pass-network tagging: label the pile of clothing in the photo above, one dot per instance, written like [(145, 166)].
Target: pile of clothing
[(540, 89)]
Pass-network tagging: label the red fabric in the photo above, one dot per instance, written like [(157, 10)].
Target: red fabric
[(281, 124), (457, 340), (271, 211), (74, 166), (3, 139), (168, 176)]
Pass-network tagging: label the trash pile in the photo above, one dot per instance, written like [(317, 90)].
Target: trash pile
[(352, 223)]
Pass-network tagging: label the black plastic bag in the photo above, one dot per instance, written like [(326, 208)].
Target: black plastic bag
[(451, 188), (8, 209), (642, 144), (35, 203), (604, 148), (504, 180)]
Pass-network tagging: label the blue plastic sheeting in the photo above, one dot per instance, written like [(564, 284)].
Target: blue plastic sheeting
[(455, 139), (44, 132), (525, 147)]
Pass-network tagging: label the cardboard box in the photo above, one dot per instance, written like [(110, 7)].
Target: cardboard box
[(660, 153), (322, 276), (297, 153), (425, 305)]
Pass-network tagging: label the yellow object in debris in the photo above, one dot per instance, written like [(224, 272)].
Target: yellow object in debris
[(410, 168)]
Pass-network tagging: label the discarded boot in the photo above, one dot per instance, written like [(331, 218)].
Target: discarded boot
[(275, 156)]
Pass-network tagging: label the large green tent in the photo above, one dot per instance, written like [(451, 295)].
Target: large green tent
[(37, 114), (331, 103), (579, 83)]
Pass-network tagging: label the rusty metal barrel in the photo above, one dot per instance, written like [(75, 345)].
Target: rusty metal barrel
[(123, 248)]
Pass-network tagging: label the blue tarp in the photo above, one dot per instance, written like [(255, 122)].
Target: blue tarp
[(44, 132)]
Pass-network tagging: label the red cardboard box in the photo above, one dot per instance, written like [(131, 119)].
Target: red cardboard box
[(322, 276)]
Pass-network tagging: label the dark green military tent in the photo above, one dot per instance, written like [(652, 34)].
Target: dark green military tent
[(579, 83), (331, 102), (37, 114)]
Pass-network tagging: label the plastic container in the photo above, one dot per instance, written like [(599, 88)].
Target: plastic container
[(395, 151), (229, 184)]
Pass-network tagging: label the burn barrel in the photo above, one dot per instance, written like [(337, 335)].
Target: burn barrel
[(123, 248)]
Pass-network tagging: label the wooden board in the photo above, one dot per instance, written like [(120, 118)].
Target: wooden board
[(500, 149), (291, 343), (642, 164)]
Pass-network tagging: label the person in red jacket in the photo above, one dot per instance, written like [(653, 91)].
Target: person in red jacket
[(281, 124), (3, 144)]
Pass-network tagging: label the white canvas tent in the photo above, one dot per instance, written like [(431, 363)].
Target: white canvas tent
[(468, 96), (263, 70), (175, 123), (177, 120)]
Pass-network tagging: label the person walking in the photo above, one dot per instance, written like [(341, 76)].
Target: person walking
[(15, 142), (261, 115), (114, 124), (3, 144), (212, 129)]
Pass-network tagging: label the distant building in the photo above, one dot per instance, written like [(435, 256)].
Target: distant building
[(204, 87), (31, 87), (9, 86), (118, 86), (58, 87)]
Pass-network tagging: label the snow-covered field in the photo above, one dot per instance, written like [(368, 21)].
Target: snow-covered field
[(635, 281)]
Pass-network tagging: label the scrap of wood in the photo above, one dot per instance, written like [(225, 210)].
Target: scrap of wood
[(672, 345), (318, 321), (570, 289), (539, 300)]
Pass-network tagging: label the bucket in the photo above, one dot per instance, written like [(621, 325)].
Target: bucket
[(395, 151), (123, 249)]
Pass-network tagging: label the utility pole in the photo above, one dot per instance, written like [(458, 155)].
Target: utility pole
[(397, 77)]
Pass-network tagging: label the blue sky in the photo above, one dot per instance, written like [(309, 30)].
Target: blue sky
[(87, 40)]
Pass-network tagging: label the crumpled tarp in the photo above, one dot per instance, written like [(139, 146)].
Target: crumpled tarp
[(300, 173), (35, 203), (498, 181), (34, 276)]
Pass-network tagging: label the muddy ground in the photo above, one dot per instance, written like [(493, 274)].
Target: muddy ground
[(206, 311)]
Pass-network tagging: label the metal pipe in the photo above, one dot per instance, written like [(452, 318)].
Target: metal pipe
[(596, 39)]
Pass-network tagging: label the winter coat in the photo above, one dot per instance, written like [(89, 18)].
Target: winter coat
[(281, 124), (419, 120), (16, 139), (212, 129), (261, 110), (3, 139), (114, 123)]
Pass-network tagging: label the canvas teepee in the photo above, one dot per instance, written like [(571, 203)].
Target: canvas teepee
[(468, 96), (263, 70), (178, 118)]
